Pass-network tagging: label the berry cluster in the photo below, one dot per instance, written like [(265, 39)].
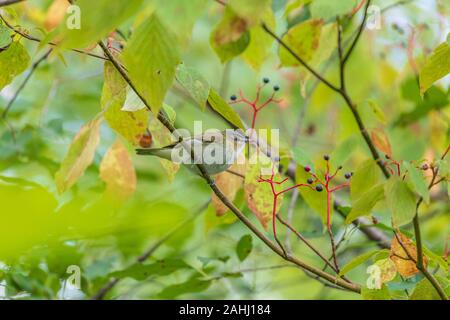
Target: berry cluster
[(325, 184), (320, 186), (255, 104)]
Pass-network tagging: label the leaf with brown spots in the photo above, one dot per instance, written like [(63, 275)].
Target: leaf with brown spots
[(117, 170), (401, 258), (129, 124), (304, 41), (229, 183), (259, 194)]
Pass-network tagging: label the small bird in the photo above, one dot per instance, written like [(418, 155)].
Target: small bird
[(217, 151)]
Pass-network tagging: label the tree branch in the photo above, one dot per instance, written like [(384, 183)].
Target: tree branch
[(4, 3), (417, 234), (31, 38), (225, 200), (358, 35)]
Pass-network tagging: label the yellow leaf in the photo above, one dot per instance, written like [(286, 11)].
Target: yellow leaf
[(129, 124), (117, 171), (388, 269), (405, 266), (162, 137), (80, 155), (56, 13), (229, 184)]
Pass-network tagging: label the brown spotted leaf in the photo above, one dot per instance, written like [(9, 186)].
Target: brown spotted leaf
[(388, 270), (129, 124), (401, 258), (229, 183), (117, 171), (259, 194)]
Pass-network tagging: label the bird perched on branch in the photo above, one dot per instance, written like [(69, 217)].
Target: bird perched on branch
[(216, 150)]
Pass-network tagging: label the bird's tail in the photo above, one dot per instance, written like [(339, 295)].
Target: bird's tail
[(147, 152), (164, 153)]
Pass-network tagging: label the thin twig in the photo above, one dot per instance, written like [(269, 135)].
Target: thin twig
[(305, 241), (224, 199), (24, 83), (417, 234), (4, 3), (31, 38)]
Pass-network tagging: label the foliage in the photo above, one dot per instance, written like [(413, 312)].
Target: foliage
[(354, 186)]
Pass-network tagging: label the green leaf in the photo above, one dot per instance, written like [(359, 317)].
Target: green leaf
[(13, 61), (186, 13), (259, 195), (152, 77), (376, 294), (365, 203), (192, 285), (5, 36), (194, 83), (418, 181), (436, 67), (221, 107), (436, 258), (434, 99), (252, 11), (377, 111), (317, 201), (357, 261), (302, 158), (212, 221), (80, 155), (400, 201), (230, 37), (344, 151), (364, 179), (303, 39), (425, 290), (326, 9), (140, 271), (94, 27), (130, 125), (260, 42), (244, 247)]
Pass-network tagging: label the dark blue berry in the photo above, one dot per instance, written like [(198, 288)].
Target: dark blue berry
[(276, 88), (233, 97), (319, 187), (348, 175), (310, 180), (266, 80), (326, 157)]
